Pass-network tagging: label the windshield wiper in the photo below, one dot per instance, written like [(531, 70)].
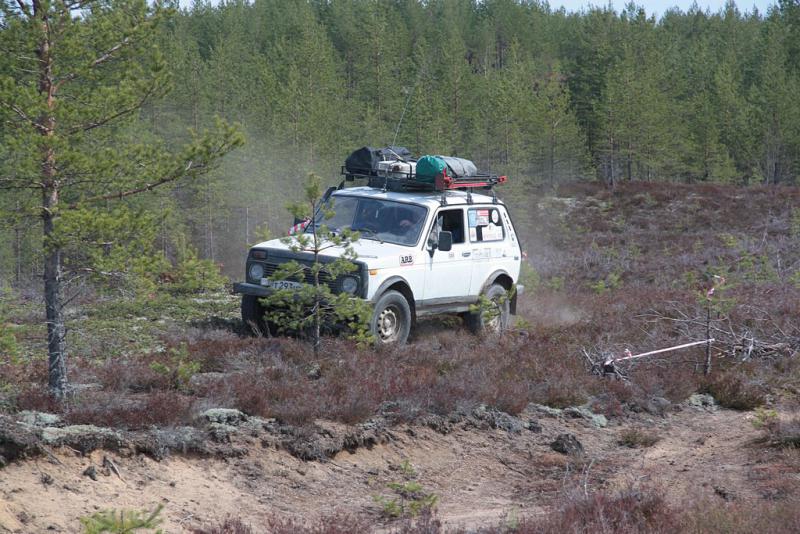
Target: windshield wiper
[(370, 232)]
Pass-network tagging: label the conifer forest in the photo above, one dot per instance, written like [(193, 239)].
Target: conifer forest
[(542, 95)]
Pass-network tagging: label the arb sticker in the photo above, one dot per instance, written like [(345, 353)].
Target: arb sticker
[(407, 260)]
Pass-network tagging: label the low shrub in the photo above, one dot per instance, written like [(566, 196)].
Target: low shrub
[(781, 433), (628, 512), (735, 390), (781, 517), (638, 438), (333, 524), (161, 408)]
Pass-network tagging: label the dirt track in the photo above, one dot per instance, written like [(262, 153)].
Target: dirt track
[(481, 476)]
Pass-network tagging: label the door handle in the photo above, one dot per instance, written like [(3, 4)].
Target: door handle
[(466, 254)]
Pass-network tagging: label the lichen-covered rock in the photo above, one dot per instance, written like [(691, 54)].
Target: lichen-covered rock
[(701, 400), (84, 438), (582, 412), (16, 441), (220, 432), (39, 419), (545, 410), (567, 444), (657, 406), (225, 416), (484, 418)]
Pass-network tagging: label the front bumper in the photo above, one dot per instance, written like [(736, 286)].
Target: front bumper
[(246, 288)]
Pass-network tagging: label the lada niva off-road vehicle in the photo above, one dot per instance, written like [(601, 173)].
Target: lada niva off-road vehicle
[(428, 245)]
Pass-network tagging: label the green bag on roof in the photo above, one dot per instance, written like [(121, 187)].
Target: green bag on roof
[(429, 167)]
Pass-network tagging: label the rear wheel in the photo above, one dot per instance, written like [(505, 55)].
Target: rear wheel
[(391, 320), (253, 315), (492, 318)]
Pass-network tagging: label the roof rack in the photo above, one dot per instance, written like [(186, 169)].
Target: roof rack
[(408, 182)]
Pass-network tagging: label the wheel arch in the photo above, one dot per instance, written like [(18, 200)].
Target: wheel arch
[(399, 284), (502, 277)]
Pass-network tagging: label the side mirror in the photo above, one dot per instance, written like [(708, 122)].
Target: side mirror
[(445, 241)]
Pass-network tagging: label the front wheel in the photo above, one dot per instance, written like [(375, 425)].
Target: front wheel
[(494, 316), (253, 315), (391, 320)]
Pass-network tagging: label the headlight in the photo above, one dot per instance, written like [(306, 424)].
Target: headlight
[(256, 271), (349, 284)]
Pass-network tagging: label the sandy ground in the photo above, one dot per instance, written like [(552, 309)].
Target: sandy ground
[(481, 477)]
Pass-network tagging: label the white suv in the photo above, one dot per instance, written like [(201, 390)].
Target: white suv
[(420, 253)]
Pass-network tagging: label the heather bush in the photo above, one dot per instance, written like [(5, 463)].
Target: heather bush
[(628, 512), (332, 524), (638, 438), (735, 390), (161, 408), (783, 433)]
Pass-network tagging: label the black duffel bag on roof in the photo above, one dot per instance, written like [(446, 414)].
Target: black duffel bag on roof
[(365, 160)]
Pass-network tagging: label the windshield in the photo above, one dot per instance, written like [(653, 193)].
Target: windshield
[(380, 220)]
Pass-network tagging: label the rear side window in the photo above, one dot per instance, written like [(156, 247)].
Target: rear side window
[(485, 225)]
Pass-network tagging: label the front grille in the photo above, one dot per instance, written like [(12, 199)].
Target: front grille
[(324, 278)]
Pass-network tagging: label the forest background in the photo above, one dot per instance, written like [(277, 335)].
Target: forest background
[(541, 95)]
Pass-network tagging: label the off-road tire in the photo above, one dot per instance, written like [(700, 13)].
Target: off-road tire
[(253, 315), (391, 320), (476, 321)]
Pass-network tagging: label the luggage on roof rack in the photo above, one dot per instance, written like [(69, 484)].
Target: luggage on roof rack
[(429, 167), (367, 160), (393, 169)]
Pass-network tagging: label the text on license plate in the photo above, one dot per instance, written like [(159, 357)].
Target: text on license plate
[(280, 284)]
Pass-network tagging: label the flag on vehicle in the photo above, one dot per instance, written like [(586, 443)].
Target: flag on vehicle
[(299, 228)]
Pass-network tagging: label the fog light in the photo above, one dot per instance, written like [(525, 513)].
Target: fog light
[(256, 272)]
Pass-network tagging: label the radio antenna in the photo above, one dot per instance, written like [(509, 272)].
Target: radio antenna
[(408, 99)]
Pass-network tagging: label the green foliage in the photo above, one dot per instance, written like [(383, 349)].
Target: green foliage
[(794, 224), (764, 417), (691, 96), (314, 307), (611, 282), (113, 522), (488, 308), (9, 348), (528, 277), (179, 367), (409, 497), (116, 247), (556, 283), (195, 275)]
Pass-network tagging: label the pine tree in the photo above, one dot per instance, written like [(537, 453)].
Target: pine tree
[(78, 74)]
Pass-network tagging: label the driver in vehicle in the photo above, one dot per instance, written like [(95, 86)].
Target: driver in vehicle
[(367, 217)]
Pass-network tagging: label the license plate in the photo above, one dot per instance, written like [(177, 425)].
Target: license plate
[(280, 284)]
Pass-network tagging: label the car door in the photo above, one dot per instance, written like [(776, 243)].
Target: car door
[(490, 246), (448, 274)]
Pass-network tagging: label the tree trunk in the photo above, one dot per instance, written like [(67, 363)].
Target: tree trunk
[(317, 299), (553, 156), (56, 349), (45, 125)]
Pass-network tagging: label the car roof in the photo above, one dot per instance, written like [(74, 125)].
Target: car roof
[(431, 199)]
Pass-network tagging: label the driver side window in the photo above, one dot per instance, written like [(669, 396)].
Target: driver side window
[(450, 220)]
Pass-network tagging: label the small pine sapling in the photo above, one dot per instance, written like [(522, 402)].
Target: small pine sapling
[(123, 522), (314, 306)]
